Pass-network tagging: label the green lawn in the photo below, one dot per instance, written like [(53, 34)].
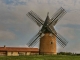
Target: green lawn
[(40, 57)]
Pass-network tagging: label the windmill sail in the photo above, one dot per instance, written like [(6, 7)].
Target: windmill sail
[(57, 16), (60, 40), (64, 40), (38, 17), (33, 41), (35, 18)]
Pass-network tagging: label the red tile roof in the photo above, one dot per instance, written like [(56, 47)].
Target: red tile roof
[(19, 49)]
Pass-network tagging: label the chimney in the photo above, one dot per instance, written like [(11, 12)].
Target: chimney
[(4, 46)]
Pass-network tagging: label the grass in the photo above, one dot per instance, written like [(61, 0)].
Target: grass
[(41, 57)]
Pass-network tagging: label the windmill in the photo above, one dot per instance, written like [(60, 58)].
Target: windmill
[(50, 36)]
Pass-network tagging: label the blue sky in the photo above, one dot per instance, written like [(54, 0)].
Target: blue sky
[(16, 29), (15, 2)]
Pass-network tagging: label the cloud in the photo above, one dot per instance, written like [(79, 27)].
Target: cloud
[(71, 34), (72, 17), (14, 2), (7, 35), (15, 24)]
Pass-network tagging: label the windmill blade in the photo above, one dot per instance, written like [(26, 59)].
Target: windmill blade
[(34, 40), (34, 43), (60, 40), (57, 13), (63, 39), (53, 31), (38, 17), (35, 18), (57, 16)]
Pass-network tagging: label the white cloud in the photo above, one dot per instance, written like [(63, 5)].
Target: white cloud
[(14, 16), (7, 35)]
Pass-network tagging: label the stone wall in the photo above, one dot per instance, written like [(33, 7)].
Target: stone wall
[(47, 44)]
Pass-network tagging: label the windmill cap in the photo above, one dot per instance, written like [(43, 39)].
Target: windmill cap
[(48, 14)]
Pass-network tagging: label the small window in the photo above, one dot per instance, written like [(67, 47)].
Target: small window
[(51, 42)]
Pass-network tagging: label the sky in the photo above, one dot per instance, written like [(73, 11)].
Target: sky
[(16, 29)]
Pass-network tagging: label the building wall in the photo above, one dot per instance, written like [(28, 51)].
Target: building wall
[(28, 53), (3, 53), (12, 54), (22, 53), (34, 54), (48, 44), (16, 53)]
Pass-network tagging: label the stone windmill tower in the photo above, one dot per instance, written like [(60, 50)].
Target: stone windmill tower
[(47, 33)]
